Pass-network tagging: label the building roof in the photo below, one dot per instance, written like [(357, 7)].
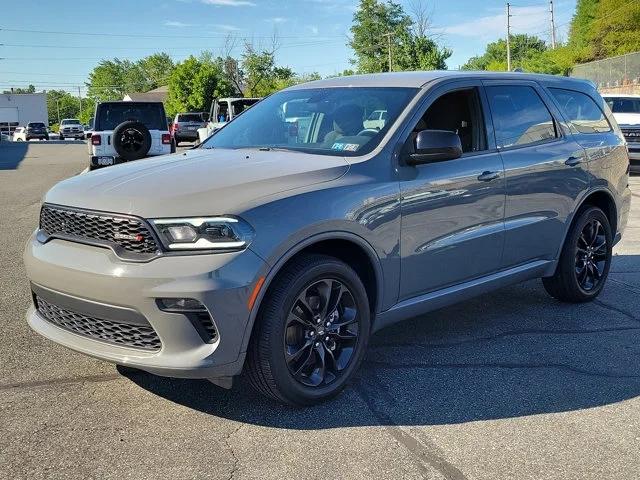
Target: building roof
[(419, 79), (156, 95)]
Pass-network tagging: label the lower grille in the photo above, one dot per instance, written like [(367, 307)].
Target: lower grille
[(135, 336), (632, 136)]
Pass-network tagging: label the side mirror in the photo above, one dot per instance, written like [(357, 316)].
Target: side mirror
[(434, 146)]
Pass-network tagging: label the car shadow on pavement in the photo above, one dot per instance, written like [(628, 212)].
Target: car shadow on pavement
[(11, 154), (511, 353)]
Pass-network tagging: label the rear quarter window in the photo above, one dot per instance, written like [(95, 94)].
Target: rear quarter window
[(583, 113)]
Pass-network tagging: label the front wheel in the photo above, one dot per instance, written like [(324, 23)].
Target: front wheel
[(312, 331), (585, 259)]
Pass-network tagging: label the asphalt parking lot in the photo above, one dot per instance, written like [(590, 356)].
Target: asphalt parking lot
[(511, 385)]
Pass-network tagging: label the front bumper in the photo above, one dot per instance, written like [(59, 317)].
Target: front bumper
[(95, 276)]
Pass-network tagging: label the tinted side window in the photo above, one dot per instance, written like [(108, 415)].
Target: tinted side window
[(580, 109), (519, 115)]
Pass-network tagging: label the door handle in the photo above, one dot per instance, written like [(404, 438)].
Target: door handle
[(488, 176), (573, 161)]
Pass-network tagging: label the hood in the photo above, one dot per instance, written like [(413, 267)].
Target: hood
[(627, 118), (195, 183)]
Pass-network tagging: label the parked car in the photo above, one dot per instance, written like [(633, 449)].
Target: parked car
[(185, 126), (626, 111), (376, 120), (71, 128), (281, 252), (224, 110), (127, 131), (32, 131)]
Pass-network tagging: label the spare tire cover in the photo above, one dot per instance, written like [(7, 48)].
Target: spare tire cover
[(131, 140)]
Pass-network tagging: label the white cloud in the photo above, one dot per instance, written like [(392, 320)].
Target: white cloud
[(276, 20), (530, 20), (230, 3), (173, 23), (228, 28)]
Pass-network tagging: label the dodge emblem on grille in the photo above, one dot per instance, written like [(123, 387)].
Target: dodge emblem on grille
[(124, 236)]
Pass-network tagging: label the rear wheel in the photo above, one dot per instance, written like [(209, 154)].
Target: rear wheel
[(585, 259), (312, 331)]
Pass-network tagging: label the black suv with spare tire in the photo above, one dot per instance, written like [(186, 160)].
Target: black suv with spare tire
[(126, 131)]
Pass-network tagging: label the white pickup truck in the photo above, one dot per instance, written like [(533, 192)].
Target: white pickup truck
[(626, 111), (224, 110)]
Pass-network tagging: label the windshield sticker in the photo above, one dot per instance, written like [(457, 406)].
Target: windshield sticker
[(351, 147), (337, 146)]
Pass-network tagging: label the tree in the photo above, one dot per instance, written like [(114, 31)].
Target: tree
[(62, 104), (523, 49), (261, 74), (156, 69), (372, 22), (615, 30), (195, 82), (113, 79), (378, 26), (18, 90)]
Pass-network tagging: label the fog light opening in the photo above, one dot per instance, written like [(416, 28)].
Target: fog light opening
[(180, 305)]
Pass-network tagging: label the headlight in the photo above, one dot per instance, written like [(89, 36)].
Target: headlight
[(204, 233)]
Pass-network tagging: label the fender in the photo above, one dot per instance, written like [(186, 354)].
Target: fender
[(334, 235), (578, 204)]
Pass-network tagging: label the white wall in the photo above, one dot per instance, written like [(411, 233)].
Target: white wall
[(31, 107)]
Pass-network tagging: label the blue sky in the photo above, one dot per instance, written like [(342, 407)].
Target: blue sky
[(312, 33)]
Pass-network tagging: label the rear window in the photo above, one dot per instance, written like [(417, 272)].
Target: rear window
[(190, 117), (110, 115), (36, 125), (580, 109), (623, 104)]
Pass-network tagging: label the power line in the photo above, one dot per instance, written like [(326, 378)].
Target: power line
[(142, 35)]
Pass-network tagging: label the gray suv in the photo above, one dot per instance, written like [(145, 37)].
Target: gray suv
[(280, 245)]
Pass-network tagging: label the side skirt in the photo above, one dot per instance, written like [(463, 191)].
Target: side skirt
[(419, 305)]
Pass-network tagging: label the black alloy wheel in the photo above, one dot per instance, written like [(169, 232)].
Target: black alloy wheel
[(321, 332), (591, 255), (311, 331), (585, 258)]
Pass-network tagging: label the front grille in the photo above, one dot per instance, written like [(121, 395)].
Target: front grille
[(128, 233), (632, 135), (135, 336)]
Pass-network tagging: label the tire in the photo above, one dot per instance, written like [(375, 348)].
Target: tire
[(61, 137), (268, 370), (131, 140), (567, 284)]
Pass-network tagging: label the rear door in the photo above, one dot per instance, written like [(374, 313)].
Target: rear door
[(544, 170)]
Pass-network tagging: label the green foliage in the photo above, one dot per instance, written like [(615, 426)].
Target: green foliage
[(29, 89), (524, 48), (372, 22), (113, 79), (62, 103), (419, 52), (195, 82), (599, 29)]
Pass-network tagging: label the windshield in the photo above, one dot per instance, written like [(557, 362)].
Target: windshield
[(70, 121), (328, 121), (623, 104)]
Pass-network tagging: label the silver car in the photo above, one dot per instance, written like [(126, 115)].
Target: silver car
[(279, 246)]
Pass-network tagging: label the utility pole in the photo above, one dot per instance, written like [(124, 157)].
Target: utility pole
[(388, 35), (508, 37), (80, 98), (58, 106), (553, 25)]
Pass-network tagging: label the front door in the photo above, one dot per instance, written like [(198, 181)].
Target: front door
[(452, 211)]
